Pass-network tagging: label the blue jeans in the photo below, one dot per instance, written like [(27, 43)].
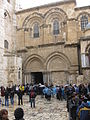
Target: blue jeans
[(6, 102), (32, 102), (12, 100)]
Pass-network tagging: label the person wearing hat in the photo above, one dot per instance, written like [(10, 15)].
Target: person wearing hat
[(19, 113)]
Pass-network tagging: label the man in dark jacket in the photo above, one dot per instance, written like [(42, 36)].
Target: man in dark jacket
[(12, 96), (6, 97), (20, 95)]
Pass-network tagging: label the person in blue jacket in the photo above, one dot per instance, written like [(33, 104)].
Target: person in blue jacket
[(83, 111)]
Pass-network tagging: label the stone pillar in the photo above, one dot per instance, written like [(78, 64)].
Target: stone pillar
[(25, 79), (49, 80), (45, 77), (29, 78)]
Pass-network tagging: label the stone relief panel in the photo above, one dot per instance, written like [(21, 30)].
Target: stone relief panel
[(34, 66), (57, 64), (31, 18)]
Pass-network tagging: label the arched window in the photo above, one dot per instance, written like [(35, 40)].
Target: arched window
[(6, 44), (36, 30), (55, 27), (84, 21)]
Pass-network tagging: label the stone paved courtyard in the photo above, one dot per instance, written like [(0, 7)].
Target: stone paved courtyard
[(45, 110)]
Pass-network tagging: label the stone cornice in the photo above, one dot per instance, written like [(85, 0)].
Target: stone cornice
[(46, 45), (22, 50), (53, 44), (47, 5), (87, 38), (86, 68), (82, 8), (71, 45)]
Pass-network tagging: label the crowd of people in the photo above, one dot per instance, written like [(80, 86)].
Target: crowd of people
[(77, 97)]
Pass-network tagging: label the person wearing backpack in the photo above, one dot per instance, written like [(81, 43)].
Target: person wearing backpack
[(32, 98)]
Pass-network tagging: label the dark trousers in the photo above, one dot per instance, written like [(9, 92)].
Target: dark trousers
[(20, 101), (32, 102)]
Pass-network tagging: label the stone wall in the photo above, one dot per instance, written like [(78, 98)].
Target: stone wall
[(7, 32)]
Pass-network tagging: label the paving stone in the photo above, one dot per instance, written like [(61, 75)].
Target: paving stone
[(45, 110)]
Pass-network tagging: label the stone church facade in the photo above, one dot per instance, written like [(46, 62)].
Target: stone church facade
[(48, 39), (51, 44)]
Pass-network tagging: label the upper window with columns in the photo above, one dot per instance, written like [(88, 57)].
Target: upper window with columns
[(84, 21), (56, 27), (36, 30)]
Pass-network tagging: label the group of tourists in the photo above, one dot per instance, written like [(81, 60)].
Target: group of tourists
[(78, 101), (77, 97)]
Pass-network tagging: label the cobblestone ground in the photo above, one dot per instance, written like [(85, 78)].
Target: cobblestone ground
[(45, 110)]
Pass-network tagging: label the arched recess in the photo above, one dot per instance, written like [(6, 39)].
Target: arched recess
[(79, 18), (83, 13), (57, 64), (58, 15), (30, 22), (60, 58), (34, 63), (33, 68), (32, 18), (55, 13)]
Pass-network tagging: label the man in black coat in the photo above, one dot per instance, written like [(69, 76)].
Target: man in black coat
[(20, 95)]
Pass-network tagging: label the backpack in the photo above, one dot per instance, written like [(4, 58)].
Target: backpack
[(32, 94), (49, 92)]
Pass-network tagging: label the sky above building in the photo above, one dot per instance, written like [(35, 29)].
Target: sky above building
[(32, 3)]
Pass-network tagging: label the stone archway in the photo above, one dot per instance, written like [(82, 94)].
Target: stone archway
[(58, 68), (33, 69)]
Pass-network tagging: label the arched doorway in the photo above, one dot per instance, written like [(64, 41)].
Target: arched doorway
[(58, 68), (37, 77), (34, 67)]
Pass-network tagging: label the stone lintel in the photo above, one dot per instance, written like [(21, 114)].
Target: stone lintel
[(87, 38), (9, 55), (86, 68), (22, 50), (71, 45)]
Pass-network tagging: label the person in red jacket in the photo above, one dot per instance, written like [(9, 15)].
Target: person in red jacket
[(32, 98)]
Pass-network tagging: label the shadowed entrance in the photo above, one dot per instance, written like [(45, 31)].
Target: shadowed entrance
[(37, 77)]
